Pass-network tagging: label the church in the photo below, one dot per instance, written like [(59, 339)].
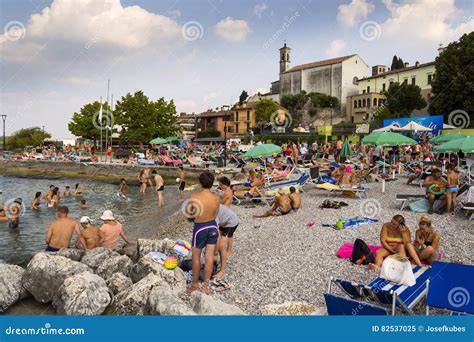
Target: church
[(337, 77)]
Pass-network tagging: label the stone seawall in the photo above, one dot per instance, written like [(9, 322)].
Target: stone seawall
[(106, 172)]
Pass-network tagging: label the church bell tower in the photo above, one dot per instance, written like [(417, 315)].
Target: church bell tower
[(284, 58)]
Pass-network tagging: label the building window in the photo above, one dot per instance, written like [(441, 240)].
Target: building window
[(236, 116), (368, 102), (236, 128), (413, 80), (363, 103), (405, 81), (383, 87), (430, 78), (380, 102), (363, 91), (375, 102), (368, 89), (390, 84), (355, 103), (248, 115), (360, 103)]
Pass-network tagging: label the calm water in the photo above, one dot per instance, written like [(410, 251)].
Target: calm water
[(140, 216)]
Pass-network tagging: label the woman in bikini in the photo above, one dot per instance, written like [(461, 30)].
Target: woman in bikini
[(54, 198), (452, 188), (142, 178), (79, 190), (427, 242), (393, 237), (36, 201)]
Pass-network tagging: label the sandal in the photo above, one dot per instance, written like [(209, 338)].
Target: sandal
[(220, 285)]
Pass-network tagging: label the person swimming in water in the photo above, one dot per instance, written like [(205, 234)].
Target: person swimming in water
[(142, 178), (67, 192), (83, 204), (36, 201), (160, 187), (79, 190), (121, 190)]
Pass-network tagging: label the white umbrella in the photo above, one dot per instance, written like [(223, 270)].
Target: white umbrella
[(413, 126), (389, 128), (446, 126)]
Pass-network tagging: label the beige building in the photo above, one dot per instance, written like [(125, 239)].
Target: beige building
[(370, 89)]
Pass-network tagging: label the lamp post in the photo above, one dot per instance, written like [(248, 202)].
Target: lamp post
[(43, 138), (4, 118), (224, 107)]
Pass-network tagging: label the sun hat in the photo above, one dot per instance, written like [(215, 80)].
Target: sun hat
[(281, 191), (107, 216), (85, 219)]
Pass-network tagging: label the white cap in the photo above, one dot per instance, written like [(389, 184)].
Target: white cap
[(107, 215), (85, 219)]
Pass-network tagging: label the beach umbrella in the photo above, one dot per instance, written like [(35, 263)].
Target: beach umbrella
[(447, 137), (264, 150), (446, 126), (346, 150), (413, 126), (158, 141), (386, 128), (172, 138), (387, 139), (465, 144)]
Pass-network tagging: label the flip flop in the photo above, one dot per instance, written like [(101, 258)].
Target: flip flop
[(220, 285)]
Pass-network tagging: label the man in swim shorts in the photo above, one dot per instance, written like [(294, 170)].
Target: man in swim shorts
[(281, 206), (159, 187), (295, 198), (202, 208), (61, 230)]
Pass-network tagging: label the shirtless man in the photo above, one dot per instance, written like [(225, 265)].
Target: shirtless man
[(60, 232), (159, 187), (67, 192), (182, 183), (203, 208), (224, 185), (440, 182), (281, 206), (92, 235), (295, 198)]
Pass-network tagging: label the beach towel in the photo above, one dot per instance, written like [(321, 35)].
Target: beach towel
[(422, 205), (345, 251), (354, 222)]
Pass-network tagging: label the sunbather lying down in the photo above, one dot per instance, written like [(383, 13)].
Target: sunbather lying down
[(252, 192), (281, 206)]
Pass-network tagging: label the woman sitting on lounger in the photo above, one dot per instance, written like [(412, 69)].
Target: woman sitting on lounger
[(426, 242), (393, 236)]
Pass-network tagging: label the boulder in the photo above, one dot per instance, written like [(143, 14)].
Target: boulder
[(205, 305), (71, 253), (46, 272), (83, 294), (163, 302), (288, 309), (11, 288), (133, 300), (96, 256), (118, 282), (145, 246), (146, 265), (113, 264), (130, 250)]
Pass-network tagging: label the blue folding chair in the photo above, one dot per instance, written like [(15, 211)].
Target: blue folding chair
[(340, 306), (451, 287)]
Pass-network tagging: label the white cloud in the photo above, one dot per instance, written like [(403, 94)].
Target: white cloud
[(260, 8), (186, 106), (352, 13), (424, 20), (232, 30), (336, 48), (213, 95)]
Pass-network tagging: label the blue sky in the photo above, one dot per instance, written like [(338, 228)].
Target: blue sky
[(57, 55)]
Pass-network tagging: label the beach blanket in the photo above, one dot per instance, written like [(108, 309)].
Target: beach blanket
[(354, 222), (345, 251)]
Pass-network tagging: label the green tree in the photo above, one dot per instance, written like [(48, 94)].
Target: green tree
[(452, 88), (380, 114), (243, 96), (264, 110), (321, 100), (32, 136), (403, 98), (209, 133), (86, 123), (294, 102), (397, 63), (142, 119)]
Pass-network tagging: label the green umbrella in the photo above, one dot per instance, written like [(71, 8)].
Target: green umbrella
[(172, 138), (387, 139), (346, 150), (158, 141), (447, 137), (263, 150), (465, 144)]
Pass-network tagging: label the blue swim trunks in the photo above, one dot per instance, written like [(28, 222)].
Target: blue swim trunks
[(205, 233)]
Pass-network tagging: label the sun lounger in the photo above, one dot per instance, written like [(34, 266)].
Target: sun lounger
[(360, 192), (387, 293), (419, 203), (341, 306), (406, 199), (193, 162), (302, 180), (469, 207), (171, 162), (450, 287), (146, 162), (204, 162)]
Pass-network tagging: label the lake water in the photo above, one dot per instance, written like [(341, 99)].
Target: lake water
[(140, 216)]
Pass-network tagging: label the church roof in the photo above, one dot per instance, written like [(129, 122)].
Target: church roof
[(319, 63)]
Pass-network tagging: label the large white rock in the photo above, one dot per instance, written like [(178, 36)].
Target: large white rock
[(96, 256), (71, 253), (115, 263), (46, 272), (11, 288), (132, 301), (118, 282), (203, 304), (83, 294), (146, 265), (163, 302)]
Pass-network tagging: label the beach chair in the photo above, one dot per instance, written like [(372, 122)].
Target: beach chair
[(357, 191), (206, 163), (419, 203), (340, 306), (450, 287), (194, 163), (146, 162), (406, 199), (386, 293)]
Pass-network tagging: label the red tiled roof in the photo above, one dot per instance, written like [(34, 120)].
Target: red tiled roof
[(319, 63)]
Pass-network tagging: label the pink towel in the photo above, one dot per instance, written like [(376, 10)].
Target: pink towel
[(345, 251)]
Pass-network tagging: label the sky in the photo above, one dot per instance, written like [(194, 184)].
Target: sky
[(57, 55)]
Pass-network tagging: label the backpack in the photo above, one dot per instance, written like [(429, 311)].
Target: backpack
[(361, 254)]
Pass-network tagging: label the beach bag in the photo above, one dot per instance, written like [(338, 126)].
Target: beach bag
[(361, 254), (397, 269), (187, 267)]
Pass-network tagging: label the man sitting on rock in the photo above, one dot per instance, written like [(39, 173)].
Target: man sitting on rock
[(60, 232)]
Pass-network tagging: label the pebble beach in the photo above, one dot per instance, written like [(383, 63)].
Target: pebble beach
[(283, 259)]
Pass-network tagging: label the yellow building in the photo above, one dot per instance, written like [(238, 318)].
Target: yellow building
[(370, 89), (245, 116)]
